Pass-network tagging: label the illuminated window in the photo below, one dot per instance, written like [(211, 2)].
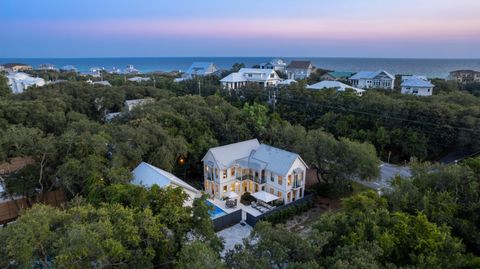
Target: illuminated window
[(289, 181), (224, 173), (280, 194), (232, 172), (232, 187), (224, 188), (280, 180)]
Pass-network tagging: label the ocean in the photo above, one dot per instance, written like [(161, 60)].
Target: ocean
[(426, 67)]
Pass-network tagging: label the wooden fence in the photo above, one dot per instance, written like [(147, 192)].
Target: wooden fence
[(10, 210)]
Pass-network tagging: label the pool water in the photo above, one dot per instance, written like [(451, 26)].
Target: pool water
[(216, 212)]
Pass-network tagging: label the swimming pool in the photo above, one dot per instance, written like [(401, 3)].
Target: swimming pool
[(216, 212)]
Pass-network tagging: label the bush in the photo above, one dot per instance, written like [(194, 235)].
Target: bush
[(284, 214), (247, 199)]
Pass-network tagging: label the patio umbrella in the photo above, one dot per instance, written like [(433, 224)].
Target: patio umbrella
[(232, 195)]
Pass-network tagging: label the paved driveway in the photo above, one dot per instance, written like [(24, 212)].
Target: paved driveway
[(387, 173)]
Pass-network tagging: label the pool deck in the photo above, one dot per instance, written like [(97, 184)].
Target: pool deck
[(221, 204)]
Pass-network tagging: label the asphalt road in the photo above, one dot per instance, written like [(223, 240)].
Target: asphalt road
[(387, 173)]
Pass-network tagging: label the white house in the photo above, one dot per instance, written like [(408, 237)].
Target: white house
[(263, 77), (416, 85), (131, 104), (339, 86), (275, 64), (200, 69), (130, 70), (47, 67), (68, 68), (147, 175), (252, 167), (373, 79), (299, 70), (138, 79), (18, 82)]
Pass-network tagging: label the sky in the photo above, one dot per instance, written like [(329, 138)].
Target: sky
[(288, 28)]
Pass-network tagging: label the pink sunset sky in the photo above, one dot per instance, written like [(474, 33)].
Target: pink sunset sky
[(358, 28)]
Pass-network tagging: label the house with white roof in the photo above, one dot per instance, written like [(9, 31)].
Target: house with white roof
[(201, 69), (300, 70), (18, 82), (337, 85), (147, 175), (252, 167), (380, 79), (416, 85), (262, 77), (139, 79), (275, 64), (131, 104)]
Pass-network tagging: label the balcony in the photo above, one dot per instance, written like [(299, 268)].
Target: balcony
[(297, 184), (245, 177)]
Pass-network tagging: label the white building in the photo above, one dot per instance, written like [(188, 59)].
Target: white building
[(262, 77), (337, 85), (102, 83), (373, 79), (299, 70), (18, 82), (147, 175), (252, 167), (130, 70), (131, 104), (275, 64), (417, 85), (200, 69), (138, 79), (47, 67)]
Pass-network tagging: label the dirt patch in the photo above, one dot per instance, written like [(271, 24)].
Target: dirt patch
[(302, 223)]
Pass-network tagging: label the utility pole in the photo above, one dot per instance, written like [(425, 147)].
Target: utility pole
[(274, 99), (199, 88)]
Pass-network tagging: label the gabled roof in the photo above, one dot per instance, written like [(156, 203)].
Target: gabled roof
[(148, 175), (417, 82), (340, 74), (200, 68), (278, 160), (300, 64), (266, 72), (234, 77), (252, 154), (371, 74), (226, 155), (339, 86)]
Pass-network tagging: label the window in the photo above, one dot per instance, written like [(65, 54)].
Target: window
[(216, 172), (280, 194), (289, 181), (272, 75), (272, 191), (232, 172), (232, 187), (224, 173), (224, 188), (272, 178), (250, 75), (280, 180)]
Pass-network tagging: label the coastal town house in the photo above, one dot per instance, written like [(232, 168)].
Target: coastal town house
[(201, 69), (298, 70), (147, 175), (275, 64), (465, 76), (416, 85), (252, 167), (337, 85), (373, 79), (19, 82), (262, 77), (17, 67), (337, 75)]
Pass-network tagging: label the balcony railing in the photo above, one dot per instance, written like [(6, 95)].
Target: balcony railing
[(245, 177), (297, 184)]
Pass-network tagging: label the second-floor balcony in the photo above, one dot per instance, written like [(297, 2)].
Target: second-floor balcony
[(297, 184)]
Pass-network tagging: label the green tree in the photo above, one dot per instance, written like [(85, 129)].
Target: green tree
[(198, 255)]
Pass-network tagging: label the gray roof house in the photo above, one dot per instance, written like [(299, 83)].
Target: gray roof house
[(380, 79), (298, 70)]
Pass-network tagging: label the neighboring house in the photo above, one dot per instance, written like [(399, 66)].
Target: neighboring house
[(131, 70), (339, 86), (17, 67), (2, 68), (47, 67), (138, 79), (111, 116), (465, 76), (68, 68), (131, 104), (287, 82), (275, 64), (262, 77), (200, 69), (102, 83), (252, 167), (373, 79), (299, 70), (147, 175), (337, 75), (19, 82), (95, 72), (417, 85)]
